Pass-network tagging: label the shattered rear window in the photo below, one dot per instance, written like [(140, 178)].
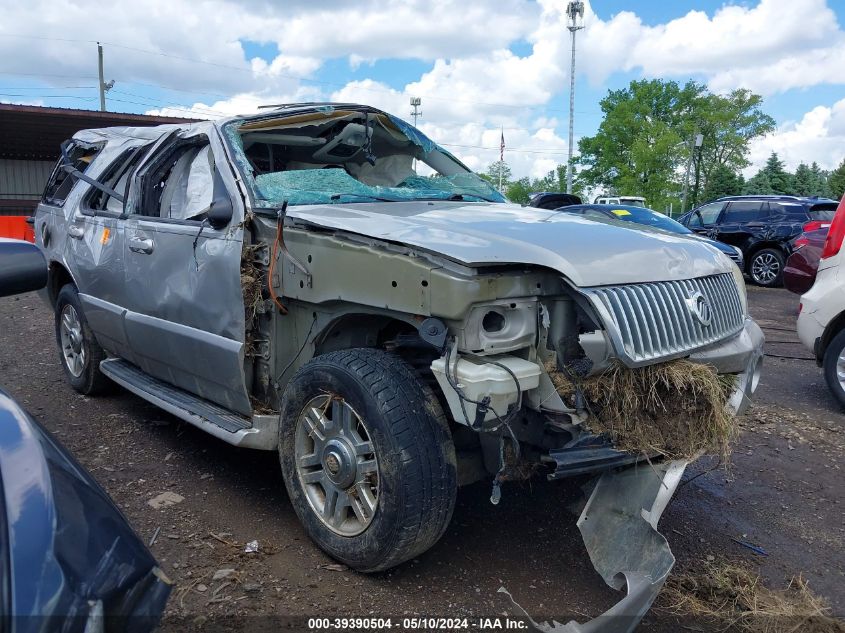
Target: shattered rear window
[(334, 157)]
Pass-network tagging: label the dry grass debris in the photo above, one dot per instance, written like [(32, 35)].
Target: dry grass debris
[(676, 409), (733, 598), (252, 281)]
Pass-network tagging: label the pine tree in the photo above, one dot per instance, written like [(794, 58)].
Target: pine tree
[(836, 182), (723, 181), (780, 180), (819, 180), (803, 181)]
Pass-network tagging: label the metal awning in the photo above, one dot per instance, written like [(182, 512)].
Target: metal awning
[(35, 132)]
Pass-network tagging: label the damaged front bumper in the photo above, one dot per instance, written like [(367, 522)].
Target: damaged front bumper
[(619, 528)]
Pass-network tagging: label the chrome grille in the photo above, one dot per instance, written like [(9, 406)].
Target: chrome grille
[(656, 320)]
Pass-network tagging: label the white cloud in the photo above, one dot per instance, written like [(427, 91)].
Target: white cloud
[(819, 136), (771, 47), (474, 85)]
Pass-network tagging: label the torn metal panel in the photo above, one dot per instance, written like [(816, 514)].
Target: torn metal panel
[(619, 528)]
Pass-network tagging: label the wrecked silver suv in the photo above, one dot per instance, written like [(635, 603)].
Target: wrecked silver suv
[(325, 281)]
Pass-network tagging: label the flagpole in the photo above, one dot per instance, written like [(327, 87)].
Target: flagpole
[(501, 158)]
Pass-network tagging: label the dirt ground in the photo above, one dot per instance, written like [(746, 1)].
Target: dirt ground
[(783, 493)]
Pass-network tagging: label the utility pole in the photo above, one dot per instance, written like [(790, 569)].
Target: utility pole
[(415, 103), (103, 86), (501, 158), (102, 83), (696, 141), (574, 10)]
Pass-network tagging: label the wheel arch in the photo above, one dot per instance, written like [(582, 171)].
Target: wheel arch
[(57, 276), (360, 329), (836, 325)]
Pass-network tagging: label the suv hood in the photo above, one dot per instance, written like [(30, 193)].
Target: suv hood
[(587, 252)]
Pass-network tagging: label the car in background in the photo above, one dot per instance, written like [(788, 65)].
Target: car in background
[(648, 217), (800, 270), (821, 313), (552, 199), (69, 561), (763, 227), (633, 201)]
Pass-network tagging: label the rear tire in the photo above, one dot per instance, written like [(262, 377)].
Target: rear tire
[(367, 458), (834, 365), (766, 267), (79, 352)]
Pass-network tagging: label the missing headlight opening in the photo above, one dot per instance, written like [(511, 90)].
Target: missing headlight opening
[(493, 322)]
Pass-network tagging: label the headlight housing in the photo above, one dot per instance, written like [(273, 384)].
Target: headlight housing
[(502, 326), (739, 280)]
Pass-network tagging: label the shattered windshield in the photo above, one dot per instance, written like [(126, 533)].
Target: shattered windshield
[(331, 156)]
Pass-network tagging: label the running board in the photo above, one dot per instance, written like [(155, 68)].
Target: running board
[(262, 432)]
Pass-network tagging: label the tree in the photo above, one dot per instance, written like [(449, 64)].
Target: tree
[(722, 181), (819, 180), (727, 125), (643, 143), (772, 179), (518, 191), (836, 182), (803, 180), (492, 175)]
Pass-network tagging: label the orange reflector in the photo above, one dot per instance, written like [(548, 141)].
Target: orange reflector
[(105, 236)]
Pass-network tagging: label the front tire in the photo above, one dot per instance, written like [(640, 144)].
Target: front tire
[(834, 367), (766, 267), (367, 458), (79, 352)]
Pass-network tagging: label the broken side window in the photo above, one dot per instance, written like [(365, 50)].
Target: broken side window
[(182, 184), (61, 182), (116, 177)]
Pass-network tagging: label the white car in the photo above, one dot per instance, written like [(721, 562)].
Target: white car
[(821, 317)]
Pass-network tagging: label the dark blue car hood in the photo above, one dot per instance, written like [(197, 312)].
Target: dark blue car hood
[(67, 551)]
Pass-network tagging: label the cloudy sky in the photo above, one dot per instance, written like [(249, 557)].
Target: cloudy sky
[(479, 66)]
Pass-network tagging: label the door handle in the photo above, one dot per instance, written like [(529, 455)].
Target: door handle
[(139, 245), (76, 232)]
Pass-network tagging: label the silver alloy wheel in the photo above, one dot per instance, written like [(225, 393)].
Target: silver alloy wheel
[(765, 268), (336, 464), (73, 344), (840, 369)]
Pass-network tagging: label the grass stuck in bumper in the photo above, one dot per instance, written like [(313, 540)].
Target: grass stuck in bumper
[(677, 409)]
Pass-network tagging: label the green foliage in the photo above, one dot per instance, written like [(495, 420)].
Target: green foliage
[(772, 179), (518, 190), (643, 144), (836, 182), (492, 174), (722, 181)]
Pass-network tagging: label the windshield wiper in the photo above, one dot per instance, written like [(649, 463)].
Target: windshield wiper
[(338, 196)]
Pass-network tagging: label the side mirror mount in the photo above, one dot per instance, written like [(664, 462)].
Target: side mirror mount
[(23, 267), (222, 209)]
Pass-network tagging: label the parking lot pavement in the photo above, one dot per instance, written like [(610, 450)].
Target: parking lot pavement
[(782, 492)]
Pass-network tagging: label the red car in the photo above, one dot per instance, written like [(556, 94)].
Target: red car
[(800, 270)]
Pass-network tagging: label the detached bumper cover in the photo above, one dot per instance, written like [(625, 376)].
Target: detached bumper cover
[(619, 528)]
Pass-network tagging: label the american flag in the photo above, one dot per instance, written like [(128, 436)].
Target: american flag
[(502, 146)]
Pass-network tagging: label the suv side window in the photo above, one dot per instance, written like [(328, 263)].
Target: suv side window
[(744, 211), (116, 176), (181, 186), (706, 215), (61, 182)]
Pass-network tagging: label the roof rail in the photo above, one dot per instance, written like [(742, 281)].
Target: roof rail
[(304, 104)]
